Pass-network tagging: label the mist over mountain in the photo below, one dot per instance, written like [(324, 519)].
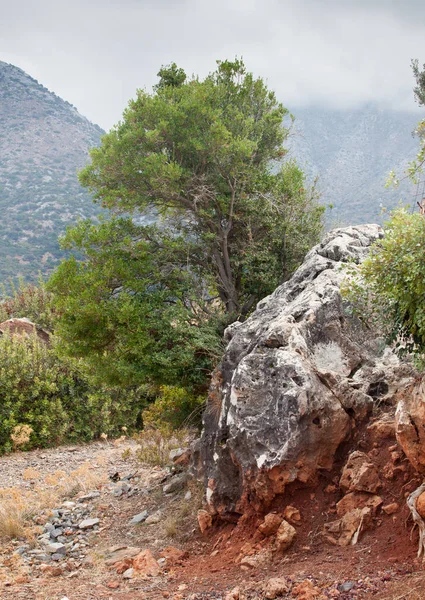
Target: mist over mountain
[(352, 153), (43, 142)]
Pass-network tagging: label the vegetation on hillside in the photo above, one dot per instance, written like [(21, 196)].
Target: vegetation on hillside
[(149, 303)]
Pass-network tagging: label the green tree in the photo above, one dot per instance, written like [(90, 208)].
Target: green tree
[(148, 303), (205, 155), (130, 310)]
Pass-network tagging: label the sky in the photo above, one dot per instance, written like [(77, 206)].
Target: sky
[(333, 53)]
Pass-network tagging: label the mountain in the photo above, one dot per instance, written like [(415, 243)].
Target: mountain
[(352, 153), (43, 142)]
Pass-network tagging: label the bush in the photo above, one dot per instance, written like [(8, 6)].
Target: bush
[(388, 288), (30, 301), (174, 407), (53, 401)]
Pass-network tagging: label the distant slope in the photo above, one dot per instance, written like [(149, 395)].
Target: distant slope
[(43, 142), (353, 152)]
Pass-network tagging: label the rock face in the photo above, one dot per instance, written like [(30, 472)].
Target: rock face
[(294, 378), (410, 424)]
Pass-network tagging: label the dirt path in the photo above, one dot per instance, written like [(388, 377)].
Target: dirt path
[(371, 569)]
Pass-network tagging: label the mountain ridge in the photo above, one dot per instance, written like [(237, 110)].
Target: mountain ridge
[(43, 142)]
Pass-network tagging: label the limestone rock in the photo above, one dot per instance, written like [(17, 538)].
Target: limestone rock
[(174, 555), (390, 509), (292, 514), (347, 530), (270, 525), (359, 474), (355, 500), (294, 378), (306, 590), (88, 523), (285, 536), (204, 520), (410, 424), (145, 565), (276, 587)]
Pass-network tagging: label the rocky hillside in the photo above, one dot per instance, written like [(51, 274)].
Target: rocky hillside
[(352, 152), (43, 142)]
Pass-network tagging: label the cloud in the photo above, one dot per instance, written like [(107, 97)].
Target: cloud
[(96, 53)]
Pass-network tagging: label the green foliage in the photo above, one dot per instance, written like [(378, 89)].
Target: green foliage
[(388, 289), (200, 154), (55, 399), (29, 301), (131, 311), (174, 406)]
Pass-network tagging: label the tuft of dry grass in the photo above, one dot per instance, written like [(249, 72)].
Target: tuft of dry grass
[(155, 445), (171, 526)]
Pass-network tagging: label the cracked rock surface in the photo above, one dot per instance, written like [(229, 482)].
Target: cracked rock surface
[(295, 378)]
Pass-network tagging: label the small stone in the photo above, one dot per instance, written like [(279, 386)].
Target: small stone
[(56, 548), (88, 523), (204, 520), (346, 586), (153, 519), (145, 564), (271, 524), (292, 514), (188, 495), (390, 509), (56, 533), (90, 496), (56, 556), (176, 484), (113, 585), (128, 574), (275, 587), (140, 518), (285, 536)]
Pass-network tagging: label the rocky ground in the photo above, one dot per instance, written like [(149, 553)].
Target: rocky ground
[(131, 532)]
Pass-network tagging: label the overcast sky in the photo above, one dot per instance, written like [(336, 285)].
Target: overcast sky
[(96, 53)]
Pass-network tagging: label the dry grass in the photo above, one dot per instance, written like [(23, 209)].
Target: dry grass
[(18, 507), (155, 445), (171, 526)]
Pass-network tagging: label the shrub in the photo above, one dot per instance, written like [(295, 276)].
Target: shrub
[(175, 407), (47, 400), (30, 301), (388, 288)]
